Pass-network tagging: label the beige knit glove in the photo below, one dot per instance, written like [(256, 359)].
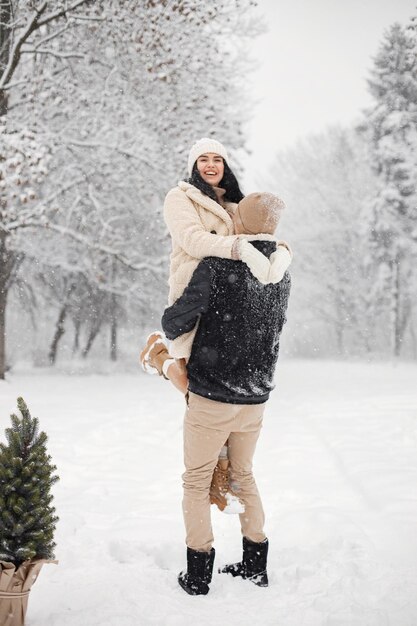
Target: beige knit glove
[(280, 261), (258, 264)]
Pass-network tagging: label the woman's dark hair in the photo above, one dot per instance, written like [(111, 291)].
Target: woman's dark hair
[(228, 182)]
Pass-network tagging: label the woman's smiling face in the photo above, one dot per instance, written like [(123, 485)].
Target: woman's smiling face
[(211, 168)]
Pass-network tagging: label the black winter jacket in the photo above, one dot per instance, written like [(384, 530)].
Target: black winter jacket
[(236, 346)]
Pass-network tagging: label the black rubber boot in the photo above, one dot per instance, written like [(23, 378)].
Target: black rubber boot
[(197, 578), (253, 564)]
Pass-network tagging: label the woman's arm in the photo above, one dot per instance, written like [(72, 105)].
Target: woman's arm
[(188, 232)]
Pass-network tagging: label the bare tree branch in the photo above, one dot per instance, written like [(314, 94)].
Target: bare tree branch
[(14, 57), (123, 151), (62, 12), (156, 268), (16, 84), (51, 36), (54, 53), (34, 24)]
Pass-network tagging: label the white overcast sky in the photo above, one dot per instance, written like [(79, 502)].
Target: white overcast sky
[(312, 68)]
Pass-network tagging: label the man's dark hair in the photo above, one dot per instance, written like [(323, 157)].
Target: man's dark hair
[(228, 182)]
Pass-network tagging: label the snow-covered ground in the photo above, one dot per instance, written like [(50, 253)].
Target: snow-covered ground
[(336, 466)]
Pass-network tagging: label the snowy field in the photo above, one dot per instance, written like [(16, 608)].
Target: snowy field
[(336, 466)]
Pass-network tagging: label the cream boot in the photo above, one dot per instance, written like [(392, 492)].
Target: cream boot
[(154, 354)]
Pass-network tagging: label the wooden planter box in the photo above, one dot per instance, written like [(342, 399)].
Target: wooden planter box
[(15, 585)]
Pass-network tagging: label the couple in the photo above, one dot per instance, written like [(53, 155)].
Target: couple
[(228, 297)]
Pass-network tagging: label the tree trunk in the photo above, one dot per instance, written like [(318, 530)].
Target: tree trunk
[(404, 320), (76, 346), (113, 316), (413, 338), (3, 298), (113, 330), (396, 308), (5, 32), (113, 340), (340, 321), (91, 337), (6, 264), (60, 330)]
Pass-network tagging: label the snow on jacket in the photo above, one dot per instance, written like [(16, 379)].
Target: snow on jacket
[(236, 345)]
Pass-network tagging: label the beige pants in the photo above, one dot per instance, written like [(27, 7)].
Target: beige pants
[(207, 425)]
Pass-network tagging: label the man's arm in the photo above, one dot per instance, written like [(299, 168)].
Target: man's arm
[(182, 316)]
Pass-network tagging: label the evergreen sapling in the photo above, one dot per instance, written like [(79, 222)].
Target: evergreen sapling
[(27, 519)]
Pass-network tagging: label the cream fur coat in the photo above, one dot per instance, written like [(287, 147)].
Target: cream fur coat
[(199, 227)]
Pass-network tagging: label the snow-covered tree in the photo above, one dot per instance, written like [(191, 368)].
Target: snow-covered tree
[(120, 91), (25, 29), (23, 167), (352, 218), (325, 180), (391, 126)]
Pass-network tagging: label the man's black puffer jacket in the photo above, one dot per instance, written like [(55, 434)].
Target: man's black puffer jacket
[(236, 346)]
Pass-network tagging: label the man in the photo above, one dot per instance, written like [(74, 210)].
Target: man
[(230, 373)]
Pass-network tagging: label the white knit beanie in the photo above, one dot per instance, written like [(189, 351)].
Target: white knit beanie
[(201, 147)]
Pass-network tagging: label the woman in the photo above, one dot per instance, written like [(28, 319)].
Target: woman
[(198, 216), (198, 213)]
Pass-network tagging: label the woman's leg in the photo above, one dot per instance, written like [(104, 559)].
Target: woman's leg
[(155, 359), (223, 458), (176, 371), (221, 494)]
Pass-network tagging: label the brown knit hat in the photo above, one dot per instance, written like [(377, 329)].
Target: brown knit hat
[(259, 213)]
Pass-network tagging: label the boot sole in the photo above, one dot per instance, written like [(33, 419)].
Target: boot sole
[(193, 592), (260, 580)]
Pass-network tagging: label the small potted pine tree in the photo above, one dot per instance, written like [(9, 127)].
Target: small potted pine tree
[(27, 518)]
